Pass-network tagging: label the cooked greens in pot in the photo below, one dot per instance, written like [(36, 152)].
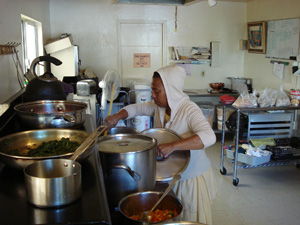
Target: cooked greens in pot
[(49, 148)]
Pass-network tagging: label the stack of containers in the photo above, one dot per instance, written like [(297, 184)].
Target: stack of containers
[(220, 116), (142, 94), (208, 110)]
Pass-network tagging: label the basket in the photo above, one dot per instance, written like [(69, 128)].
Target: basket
[(250, 160)]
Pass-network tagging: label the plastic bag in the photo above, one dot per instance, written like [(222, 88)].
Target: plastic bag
[(267, 98), (282, 98), (245, 99)]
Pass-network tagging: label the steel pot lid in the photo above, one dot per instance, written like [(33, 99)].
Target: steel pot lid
[(126, 143), (176, 163)]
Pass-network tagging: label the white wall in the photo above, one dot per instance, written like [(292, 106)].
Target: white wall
[(256, 65), (92, 24), (10, 31)]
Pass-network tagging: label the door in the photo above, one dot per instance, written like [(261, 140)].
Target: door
[(138, 38)]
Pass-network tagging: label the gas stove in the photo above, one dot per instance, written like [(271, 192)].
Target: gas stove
[(91, 208)]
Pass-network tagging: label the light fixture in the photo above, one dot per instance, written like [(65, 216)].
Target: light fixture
[(212, 3)]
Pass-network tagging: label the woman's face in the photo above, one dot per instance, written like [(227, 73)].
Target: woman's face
[(158, 92)]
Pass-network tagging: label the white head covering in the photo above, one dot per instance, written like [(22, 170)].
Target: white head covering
[(173, 79)]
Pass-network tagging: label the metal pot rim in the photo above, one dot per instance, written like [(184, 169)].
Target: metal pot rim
[(19, 107), (36, 131), (146, 192), (103, 138), (77, 164)]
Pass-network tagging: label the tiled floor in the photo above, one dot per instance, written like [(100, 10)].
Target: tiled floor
[(264, 196)]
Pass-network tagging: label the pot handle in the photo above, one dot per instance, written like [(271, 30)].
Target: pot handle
[(133, 174), (51, 59), (68, 118)]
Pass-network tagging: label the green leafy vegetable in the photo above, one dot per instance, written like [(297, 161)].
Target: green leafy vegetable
[(50, 148)]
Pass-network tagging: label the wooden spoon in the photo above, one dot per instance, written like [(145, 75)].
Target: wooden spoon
[(175, 179)]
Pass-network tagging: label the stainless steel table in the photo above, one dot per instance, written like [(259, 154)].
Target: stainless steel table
[(223, 170)]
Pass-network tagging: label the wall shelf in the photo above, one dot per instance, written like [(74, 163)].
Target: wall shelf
[(197, 62), (9, 48), (6, 50), (196, 55)]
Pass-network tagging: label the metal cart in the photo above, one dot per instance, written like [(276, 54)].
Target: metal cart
[(287, 133)]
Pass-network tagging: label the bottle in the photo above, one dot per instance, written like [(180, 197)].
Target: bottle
[(295, 67)]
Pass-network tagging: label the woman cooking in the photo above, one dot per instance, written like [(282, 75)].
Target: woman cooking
[(172, 109)]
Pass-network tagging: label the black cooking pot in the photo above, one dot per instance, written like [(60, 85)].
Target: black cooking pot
[(46, 86)]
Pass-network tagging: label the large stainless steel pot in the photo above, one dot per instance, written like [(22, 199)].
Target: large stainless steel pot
[(143, 201), (51, 114), (237, 81), (33, 138), (123, 130), (129, 164)]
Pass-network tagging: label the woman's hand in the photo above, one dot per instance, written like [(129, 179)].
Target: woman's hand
[(193, 142), (112, 121), (164, 150)]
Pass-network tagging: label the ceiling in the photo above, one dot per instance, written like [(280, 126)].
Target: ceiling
[(167, 2)]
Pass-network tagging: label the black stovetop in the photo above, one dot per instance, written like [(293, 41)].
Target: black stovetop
[(90, 208)]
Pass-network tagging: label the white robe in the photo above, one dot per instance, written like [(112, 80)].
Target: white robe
[(186, 119)]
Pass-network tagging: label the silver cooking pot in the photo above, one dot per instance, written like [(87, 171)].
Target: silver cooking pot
[(31, 139), (51, 114), (129, 164), (57, 182)]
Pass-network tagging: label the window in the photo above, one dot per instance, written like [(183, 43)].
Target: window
[(32, 42)]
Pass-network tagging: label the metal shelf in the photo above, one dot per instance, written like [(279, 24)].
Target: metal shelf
[(285, 162), (234, 161)]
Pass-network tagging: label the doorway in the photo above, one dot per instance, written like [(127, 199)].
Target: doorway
[(140, 37)]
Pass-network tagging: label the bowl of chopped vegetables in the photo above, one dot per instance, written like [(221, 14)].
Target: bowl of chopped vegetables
[(21, 149), (134, 207)]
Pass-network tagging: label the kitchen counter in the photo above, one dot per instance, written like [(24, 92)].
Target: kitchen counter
[(206, 93), (204, 97)]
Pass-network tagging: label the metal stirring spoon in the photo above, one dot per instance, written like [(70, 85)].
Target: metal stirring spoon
[(175, 179)]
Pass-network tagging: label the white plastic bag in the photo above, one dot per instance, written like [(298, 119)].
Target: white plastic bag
[(245, 99), (267, 98), (282, 98)]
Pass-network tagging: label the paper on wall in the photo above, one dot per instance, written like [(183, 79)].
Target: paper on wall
[(187, 67), (278, 70)]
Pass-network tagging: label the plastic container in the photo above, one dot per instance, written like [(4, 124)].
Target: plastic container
[(250, 160), (141, 122), (141, 93), (208, 110), (220, 116), (220, 113)]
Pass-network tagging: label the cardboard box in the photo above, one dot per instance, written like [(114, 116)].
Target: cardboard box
[(59, 44)]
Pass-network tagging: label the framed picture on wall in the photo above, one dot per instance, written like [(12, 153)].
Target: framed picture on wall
[(257, 37)]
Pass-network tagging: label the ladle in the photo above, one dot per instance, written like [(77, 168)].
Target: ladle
[(175, 179), (88, 142), (57, 182)]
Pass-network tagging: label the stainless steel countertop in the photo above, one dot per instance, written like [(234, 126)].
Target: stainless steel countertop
[(206, 93)]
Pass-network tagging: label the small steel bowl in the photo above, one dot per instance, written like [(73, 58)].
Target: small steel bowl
[(144, 201)]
